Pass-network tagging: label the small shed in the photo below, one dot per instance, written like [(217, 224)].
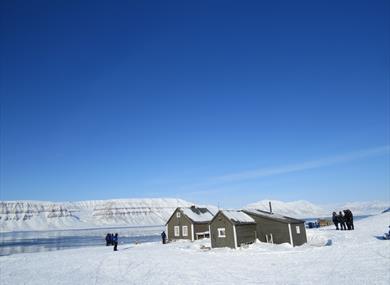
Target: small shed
[(324, 222), (189, 223), (275, 228), (232, 228)]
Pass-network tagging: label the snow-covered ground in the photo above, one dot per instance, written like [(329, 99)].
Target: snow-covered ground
[(354, 257)]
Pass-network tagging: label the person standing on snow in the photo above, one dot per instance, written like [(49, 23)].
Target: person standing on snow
[(347, 219), (108, 239), (350, 216), (335, 220), (164, 237), (115, 241), (341, 220)]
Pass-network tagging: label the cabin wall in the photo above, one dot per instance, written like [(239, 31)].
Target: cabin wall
[(300, 238), (182, 221), (200, 228), (220, 221), (246, 233), (279, 230)]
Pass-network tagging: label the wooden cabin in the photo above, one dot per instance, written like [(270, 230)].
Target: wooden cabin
[(232, 228), (189, 223), (274, 228)]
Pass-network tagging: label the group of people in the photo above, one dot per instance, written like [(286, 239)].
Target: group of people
[(112, 239), (344, 220)]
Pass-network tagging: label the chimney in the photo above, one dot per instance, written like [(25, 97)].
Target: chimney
[(270, 207)]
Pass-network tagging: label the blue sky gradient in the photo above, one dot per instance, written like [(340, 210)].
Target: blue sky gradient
[(121, 99)]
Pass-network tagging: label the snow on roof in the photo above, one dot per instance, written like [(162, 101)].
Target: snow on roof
[(197, 215), (271, 215), (213, 210), (238, 217)]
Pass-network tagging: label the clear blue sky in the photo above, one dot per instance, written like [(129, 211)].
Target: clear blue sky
[(221, 102)]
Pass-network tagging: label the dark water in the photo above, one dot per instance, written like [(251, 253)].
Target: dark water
[(37, 241)]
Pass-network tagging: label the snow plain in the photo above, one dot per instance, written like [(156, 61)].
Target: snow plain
[(354, 257)]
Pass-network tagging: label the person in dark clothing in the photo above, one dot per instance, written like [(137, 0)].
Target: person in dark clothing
[(115, 241), (108, 239), (347, 219), (350, 218), (335, 220), (164, 237), (341, 220), (387, 235)]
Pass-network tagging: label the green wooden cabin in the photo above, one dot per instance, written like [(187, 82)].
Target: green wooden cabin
[(188, 223), (275, 228), (232, 228)]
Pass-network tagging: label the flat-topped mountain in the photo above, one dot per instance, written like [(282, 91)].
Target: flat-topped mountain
[(42, 215)]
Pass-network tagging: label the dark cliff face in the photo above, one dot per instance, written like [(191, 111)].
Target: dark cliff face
[(26, 211), (122, 211)]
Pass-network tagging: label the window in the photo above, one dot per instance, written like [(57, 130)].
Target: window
[(177, 231), (221, 232), (184, 231), (178, 214), (298, 229)]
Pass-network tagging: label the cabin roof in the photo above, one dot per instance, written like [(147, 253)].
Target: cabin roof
[(272, 216), (238, 217), (197, 215)]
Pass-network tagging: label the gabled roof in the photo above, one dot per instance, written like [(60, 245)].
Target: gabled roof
[(195, 214), (237, 217), (272, 216)]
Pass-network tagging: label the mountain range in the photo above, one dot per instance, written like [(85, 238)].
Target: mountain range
[(304, 209), (43, 215)]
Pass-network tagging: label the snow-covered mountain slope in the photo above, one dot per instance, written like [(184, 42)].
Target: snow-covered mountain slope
[(366, 208), (41, 215), (296, 209), (38, 215), (304, 209)]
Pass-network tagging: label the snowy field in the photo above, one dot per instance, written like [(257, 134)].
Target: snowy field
[(354, 257)]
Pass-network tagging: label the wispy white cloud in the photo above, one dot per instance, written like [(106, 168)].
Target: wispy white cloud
[(231, 182), (284, 169)]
